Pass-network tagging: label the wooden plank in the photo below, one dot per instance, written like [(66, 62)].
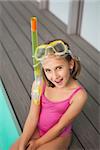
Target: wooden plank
[(17, 34), (92, 52), (57, 33), (22, 24), (91, 85), (0, 23), (19, 61), (88, 136), (0, 59), (75, 145), (27, 15), (0, 38), (18, 95), (20, 21), (91, 110), (56, 20)]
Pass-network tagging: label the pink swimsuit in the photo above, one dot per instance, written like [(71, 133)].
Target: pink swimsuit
[(51, 112)]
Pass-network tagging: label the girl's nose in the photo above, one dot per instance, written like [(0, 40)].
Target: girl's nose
[(55, 75)]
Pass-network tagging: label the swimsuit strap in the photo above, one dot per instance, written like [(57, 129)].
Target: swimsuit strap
[(75, 91)]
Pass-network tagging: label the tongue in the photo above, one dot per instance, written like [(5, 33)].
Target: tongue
[(58, 81)]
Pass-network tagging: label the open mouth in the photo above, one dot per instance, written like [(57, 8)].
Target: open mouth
[(60, 81)]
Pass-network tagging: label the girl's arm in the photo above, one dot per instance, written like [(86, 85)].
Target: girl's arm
[(30, 124), (75, 108)]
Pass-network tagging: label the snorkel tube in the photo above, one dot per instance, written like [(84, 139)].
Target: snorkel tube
[(36, 65)]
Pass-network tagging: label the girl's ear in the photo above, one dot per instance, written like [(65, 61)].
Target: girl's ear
[(71, 64)]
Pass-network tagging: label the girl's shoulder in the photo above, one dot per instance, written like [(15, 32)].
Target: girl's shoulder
[(83, 91), (82, 88), (79, 92), (80, 95)]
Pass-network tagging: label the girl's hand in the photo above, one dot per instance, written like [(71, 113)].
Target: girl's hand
[(32, 145)]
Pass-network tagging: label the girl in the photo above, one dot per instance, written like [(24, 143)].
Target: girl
[(49, 124)]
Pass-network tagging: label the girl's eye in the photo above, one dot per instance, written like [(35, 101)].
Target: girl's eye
[(59, 67), (47, 70)]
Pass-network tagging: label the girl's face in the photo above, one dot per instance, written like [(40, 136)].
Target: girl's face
[(57, 71)]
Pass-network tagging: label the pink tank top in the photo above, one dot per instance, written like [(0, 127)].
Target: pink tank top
[(51, 112)]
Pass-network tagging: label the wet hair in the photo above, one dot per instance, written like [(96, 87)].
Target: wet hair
[(73, 72)]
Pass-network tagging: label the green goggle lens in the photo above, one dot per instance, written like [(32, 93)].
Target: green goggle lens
[(40, 53), (59, 47)]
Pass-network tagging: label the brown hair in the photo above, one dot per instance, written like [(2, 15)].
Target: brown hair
[(74, 72)]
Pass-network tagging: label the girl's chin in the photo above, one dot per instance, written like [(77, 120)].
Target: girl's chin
[(59, 84)]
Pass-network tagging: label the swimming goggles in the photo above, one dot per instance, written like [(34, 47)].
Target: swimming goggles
[(57, 47)]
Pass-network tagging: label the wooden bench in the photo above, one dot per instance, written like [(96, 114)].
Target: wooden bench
[(17, 73)]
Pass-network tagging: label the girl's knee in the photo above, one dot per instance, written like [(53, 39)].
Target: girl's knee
[(61, 143)]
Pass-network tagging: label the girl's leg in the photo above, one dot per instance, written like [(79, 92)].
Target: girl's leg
[(60, 143), (15, 146)]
